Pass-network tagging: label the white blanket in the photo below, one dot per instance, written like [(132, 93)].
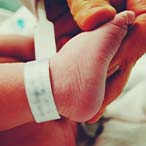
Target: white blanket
[(22, 22), (127, 126)]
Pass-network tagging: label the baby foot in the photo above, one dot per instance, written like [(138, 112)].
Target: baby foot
[(78, 71)]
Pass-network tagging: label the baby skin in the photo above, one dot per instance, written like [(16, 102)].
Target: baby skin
[(78, 76)]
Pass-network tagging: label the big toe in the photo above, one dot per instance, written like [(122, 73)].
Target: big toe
[(112, 34), (124, 18)]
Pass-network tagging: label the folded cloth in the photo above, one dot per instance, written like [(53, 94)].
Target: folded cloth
[(122, 133), (4, 14), (21, 22)]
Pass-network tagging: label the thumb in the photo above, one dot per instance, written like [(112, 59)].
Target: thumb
[(89, 14), (138, 6)]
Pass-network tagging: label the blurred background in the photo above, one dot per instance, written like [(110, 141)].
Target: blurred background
[(11, 5)]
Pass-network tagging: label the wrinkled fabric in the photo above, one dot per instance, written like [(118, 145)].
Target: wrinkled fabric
[(21, 22), (131, 105), (124, 122)]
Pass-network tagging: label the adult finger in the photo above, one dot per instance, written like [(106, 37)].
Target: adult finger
[(90, 14), (138, 6)]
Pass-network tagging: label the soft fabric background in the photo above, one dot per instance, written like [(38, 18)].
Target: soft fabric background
[(11, 5), (127, 115), (20, 22)]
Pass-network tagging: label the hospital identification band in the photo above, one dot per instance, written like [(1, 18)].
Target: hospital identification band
[(39, 92)]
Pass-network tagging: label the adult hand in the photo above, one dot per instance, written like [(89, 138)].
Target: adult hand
[(133, 46), (91, 14)]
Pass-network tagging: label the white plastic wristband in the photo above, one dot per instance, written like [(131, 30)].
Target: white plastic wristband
[(39, 92)]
